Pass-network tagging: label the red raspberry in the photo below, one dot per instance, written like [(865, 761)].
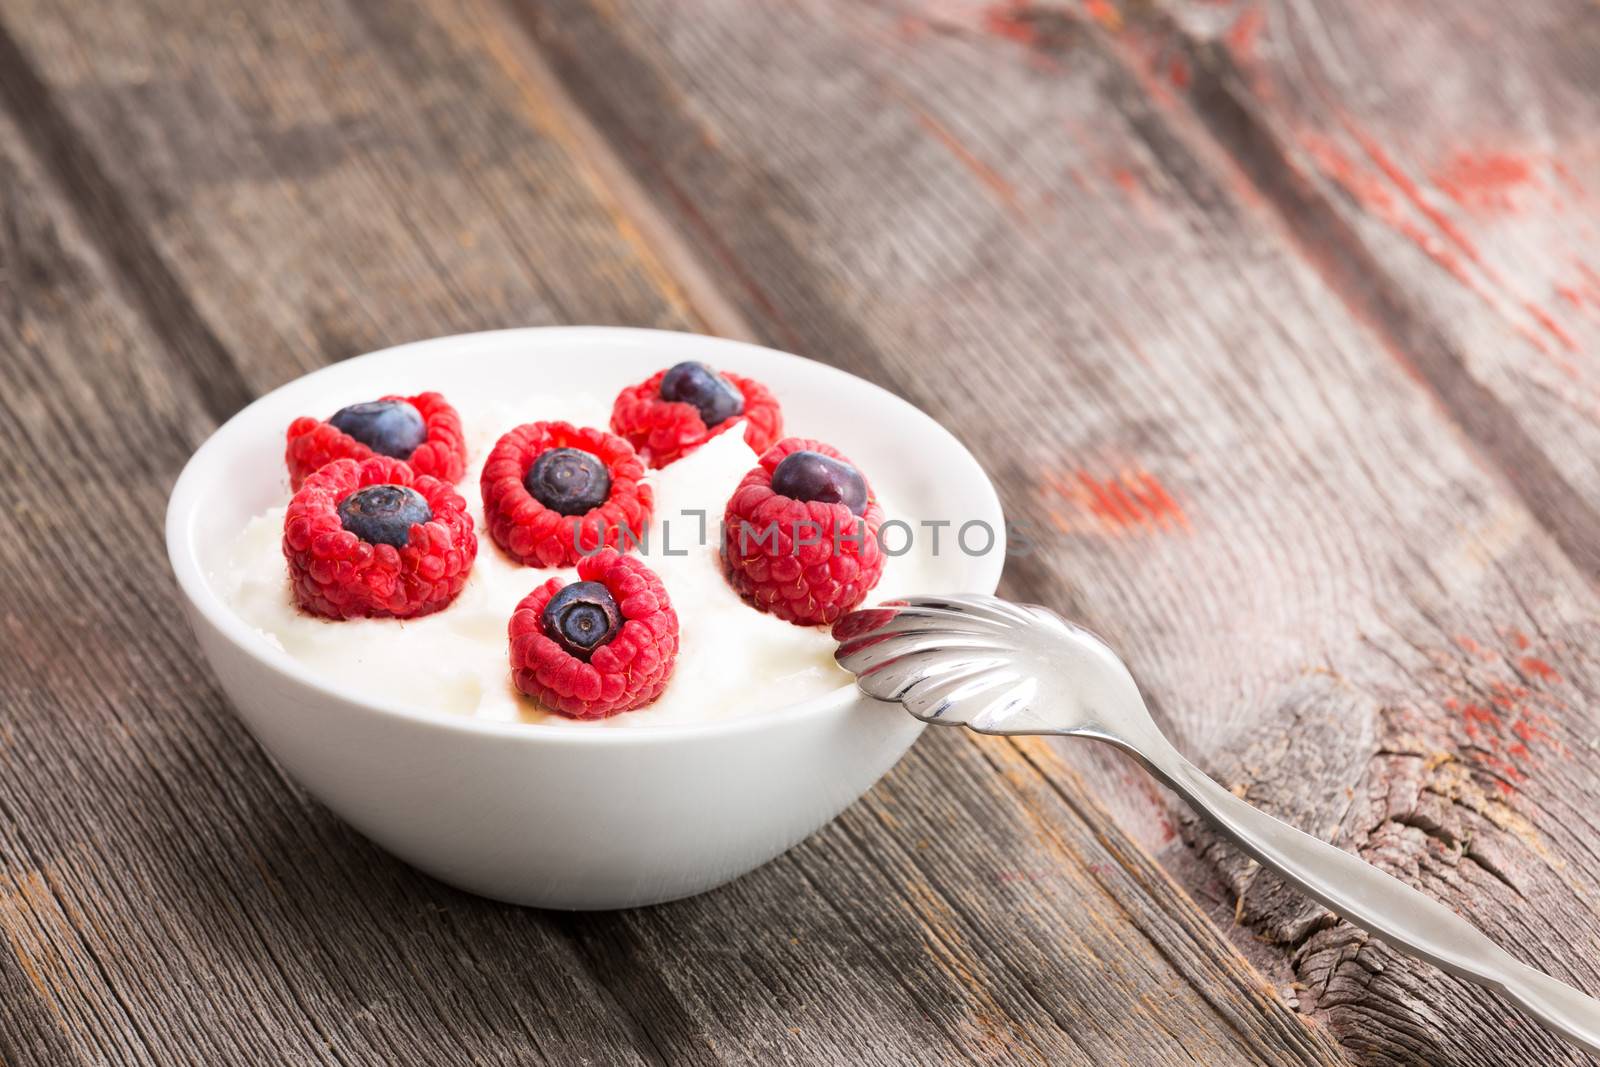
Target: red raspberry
[(768, 556), (337, 574), (313, 443), (665, 431), (540, 537), (627, 672)]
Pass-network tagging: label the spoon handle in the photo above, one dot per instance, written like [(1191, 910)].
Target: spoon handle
[(1377, 902)]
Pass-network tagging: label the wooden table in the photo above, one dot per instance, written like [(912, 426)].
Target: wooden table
[(1276, 324)]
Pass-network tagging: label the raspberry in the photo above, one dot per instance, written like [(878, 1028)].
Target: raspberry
[(542, 536), (337, 574), (628, 671), (665, 431), (314, 443), (806, 561)]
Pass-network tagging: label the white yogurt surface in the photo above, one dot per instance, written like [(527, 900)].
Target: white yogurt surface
[(732, 659)]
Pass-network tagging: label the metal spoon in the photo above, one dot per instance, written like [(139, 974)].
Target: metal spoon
[(1003, 668)]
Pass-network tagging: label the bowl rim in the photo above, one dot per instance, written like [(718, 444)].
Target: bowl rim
[(182, 551)]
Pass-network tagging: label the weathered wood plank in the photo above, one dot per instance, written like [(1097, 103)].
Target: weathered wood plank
[(323, 135), (1336, 599), (366, 175), (1456, 147), (28, 1032), (169, 899)]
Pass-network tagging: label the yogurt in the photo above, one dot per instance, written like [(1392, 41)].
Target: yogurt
[(732, 659)]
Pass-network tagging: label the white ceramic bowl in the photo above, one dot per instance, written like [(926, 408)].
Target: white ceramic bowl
[(556, 816)]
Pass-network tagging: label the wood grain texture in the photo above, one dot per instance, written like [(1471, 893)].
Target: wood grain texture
[(169, 898), (1470, 183), (202, 203), (1340, 538)]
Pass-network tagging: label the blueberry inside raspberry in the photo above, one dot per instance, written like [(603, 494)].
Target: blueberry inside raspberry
[(712, 395), (388, 427), (384, 514), (581, 617), (568, 480), (813, 476)]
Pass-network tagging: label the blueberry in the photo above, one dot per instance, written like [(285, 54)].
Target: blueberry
[(568, 480), (813, 476), (581, 617), (383, 514), (388, 427), (709, 392)]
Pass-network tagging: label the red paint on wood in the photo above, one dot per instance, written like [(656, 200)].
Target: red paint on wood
[(1454, 253), (1127, 501), (1507, 695), (1178, 72), (1509, 773), (1574, 186), (1104, 12), (1506, 734), (1590, 278), (1043, 32), (1102, 503), (1412, 192), (1538, 342), (1540, 669), (1371, 193), (1555, 329), (1124, 502), (1532, 735), (1447, 226), (986, 174), (1244, 34), (1484, 182), (1584, 293), (1011, 22), (1155, 498)]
